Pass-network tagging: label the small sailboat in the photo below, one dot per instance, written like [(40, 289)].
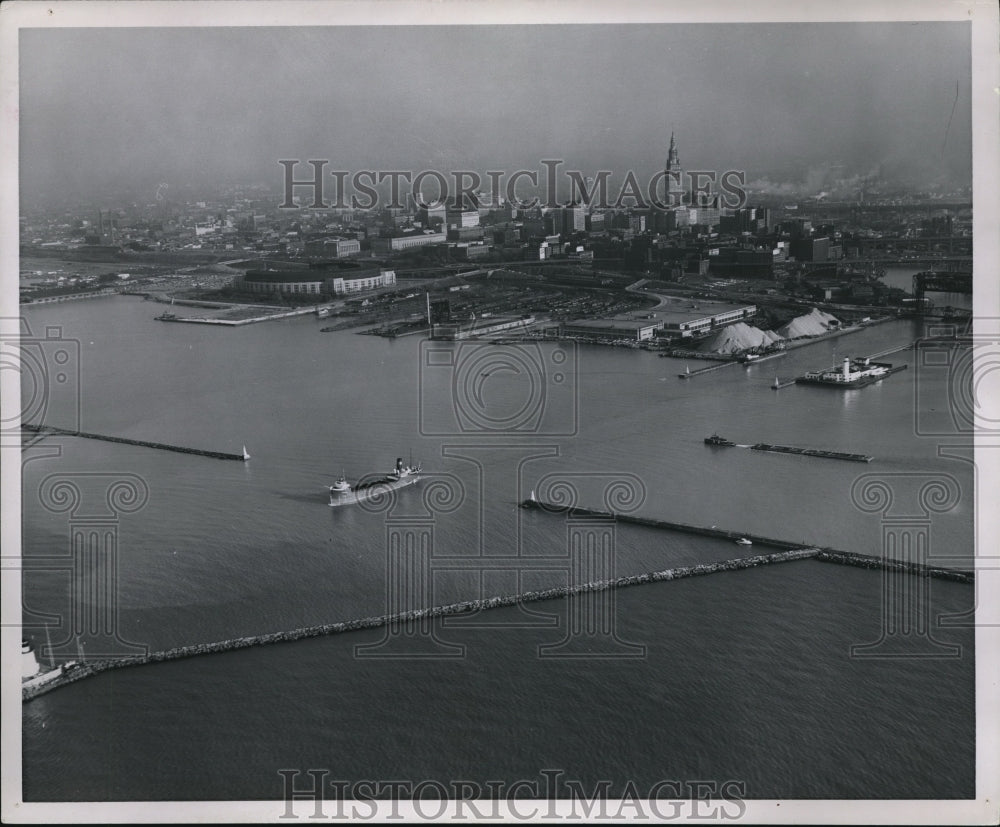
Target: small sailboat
[(246, 456), (777, 384)]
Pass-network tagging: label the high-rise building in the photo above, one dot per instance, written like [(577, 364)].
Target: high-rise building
[(674, 183), (569, 219)]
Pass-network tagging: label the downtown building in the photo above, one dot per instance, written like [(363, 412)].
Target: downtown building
[(314, 281)]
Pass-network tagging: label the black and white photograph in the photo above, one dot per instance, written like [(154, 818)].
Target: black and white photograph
[(514, 412)]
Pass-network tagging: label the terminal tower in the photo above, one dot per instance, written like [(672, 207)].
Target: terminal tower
[(674, 181)]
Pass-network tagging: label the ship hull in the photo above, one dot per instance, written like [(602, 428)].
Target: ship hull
[(353, 497)]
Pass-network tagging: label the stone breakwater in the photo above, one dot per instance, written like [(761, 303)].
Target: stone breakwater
[(827, 555), (721, 533), (84, 670), (789, 551), (865, 561), (48, 429)]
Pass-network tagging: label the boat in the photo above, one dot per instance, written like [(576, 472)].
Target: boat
[(811, 452), (743, 541), (246, 456), (343, 492), (715, 439), (322, 312)]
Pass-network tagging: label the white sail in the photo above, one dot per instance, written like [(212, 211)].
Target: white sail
[(246, 456)]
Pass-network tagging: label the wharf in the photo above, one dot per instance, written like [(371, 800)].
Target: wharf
[(170, 317), (777, 386), (46, 430)]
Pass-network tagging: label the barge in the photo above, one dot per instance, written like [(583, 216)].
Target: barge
[(720, 441)]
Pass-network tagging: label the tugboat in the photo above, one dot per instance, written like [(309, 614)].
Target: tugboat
[(343, 493), (715, 439)]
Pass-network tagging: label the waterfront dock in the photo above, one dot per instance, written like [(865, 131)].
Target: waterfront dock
[(48, 430), (777, 386)]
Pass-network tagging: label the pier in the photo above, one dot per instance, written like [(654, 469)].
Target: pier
[(788, 551), (78, 671), (48, 430), (692, 374)]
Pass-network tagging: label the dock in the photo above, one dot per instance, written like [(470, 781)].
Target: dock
[(48, 430), (777, 386)]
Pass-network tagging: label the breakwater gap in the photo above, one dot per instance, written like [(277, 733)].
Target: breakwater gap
[(48, 430), (788, 551)]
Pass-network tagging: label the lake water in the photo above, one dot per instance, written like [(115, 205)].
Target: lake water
[(742, 675)]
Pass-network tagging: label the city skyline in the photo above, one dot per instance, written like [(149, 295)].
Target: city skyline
[(797, 106)]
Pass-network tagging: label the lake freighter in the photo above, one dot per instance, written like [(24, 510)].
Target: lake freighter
[(343, 493)]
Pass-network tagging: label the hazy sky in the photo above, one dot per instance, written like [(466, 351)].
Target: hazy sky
[(117, 109)]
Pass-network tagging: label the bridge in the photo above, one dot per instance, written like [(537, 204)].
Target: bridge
[(936, 281)]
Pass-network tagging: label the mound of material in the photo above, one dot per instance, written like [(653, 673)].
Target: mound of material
[(739, 337), (812, 324)]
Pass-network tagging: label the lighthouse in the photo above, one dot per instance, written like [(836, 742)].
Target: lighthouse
[(847, 369), (29, 664)]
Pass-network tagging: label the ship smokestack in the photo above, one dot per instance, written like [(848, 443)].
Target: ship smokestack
[(847, 368)]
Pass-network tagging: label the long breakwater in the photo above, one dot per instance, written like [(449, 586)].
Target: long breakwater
[(788, 551), (45, 430)]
